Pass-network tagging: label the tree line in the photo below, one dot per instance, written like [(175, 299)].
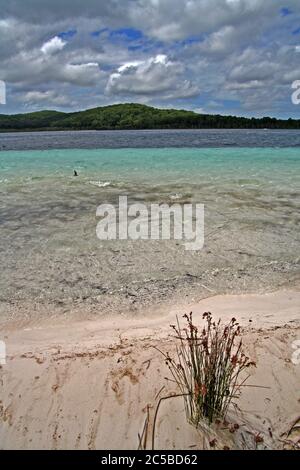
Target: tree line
[(136, 116)]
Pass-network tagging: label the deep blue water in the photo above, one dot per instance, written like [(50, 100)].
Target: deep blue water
[(150, 139)]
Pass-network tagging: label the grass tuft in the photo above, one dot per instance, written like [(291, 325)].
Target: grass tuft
[(208, 366)]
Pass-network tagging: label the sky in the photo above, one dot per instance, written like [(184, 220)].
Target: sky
[(237, 57)]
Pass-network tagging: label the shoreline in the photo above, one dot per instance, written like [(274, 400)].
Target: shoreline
[(168, 129), (87, 384), (23, 314)]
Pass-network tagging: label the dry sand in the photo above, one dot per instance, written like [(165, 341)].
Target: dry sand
[(86, 385)]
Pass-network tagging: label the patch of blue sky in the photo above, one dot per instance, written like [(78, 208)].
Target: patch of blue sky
[(284, 11), (127, 34), (67, 34), (296, 31), (108, 67), (148, 46), (96, 34), (137, 47), (230, 104), (190, 41)]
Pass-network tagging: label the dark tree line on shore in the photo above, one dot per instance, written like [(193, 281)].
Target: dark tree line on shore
[(136, 116)]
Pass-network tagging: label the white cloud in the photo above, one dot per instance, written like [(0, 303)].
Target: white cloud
[(80, 74), (41, 97), (157, 74), (221, 42), (260, 71), (129, 65), (53, 45), (235, 86), (227, 49), (176, 19)]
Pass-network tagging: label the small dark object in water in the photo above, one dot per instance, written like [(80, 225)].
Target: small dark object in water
[(75, 173)]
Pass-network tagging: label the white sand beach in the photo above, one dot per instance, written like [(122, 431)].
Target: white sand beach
[(87, 385), (149, 220)]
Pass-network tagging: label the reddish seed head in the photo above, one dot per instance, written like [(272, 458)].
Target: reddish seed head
[(206, 347), (213, 443), (234, 360), (249, 364), (258, 438)]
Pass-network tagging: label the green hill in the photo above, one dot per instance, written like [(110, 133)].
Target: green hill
[(135, 116)]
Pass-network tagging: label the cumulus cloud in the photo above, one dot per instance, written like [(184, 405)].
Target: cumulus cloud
[(200, 52), (44, 97), (260, 72), (156, 75), (40, 70), (53, 45), (80, 74), (175, 19), (142, 76)]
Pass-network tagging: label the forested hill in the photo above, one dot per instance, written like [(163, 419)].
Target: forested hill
[(135, 116)]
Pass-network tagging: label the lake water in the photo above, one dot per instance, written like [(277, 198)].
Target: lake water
[(150, 138), (52, 261)]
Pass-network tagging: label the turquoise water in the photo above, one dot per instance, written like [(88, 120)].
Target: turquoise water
[(147, 164), (221, 177), (50, 255)]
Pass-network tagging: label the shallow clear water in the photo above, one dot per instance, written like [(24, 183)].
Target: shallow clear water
[(50, 255), (130, 164)]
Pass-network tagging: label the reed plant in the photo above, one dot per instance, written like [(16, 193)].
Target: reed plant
[(208, 367)]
